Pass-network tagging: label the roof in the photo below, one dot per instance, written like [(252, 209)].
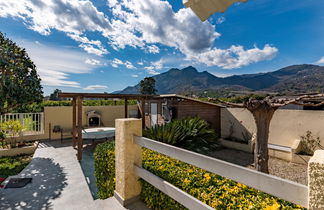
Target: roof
[(189, 98)]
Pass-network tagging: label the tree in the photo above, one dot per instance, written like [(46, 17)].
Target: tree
[(54, 95), (263, 110), (19, 81), (147, 86)]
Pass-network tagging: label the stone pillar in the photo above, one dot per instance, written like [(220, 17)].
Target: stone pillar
[(127, 154), (316, 181)]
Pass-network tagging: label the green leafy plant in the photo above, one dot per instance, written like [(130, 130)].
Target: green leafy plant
[(3, 143), (19, 84), (147, 86), (10, 166), (309, 143), (11, 129), (214, 190), (104, 158), (29, 124), (39, 107), (190, 133)]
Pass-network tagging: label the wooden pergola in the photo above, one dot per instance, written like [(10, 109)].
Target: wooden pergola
[(77, 99)]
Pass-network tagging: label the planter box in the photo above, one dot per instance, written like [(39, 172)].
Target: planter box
[(27, 150), (301, 159), (236, 145)]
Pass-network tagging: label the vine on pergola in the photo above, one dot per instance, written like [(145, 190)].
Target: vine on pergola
[(262, 111)]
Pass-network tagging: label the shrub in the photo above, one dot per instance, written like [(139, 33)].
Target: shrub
[(104, 157), (29, 124), (190, 133), (309, 143), (210, 188), (10, 166), (11, 128)]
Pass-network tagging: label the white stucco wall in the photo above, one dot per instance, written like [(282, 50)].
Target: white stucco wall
[(285, 127)]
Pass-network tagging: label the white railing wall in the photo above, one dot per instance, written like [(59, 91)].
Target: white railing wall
[(32, 123), (282, 188), (129, 142)]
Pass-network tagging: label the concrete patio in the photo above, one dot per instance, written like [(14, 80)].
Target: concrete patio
[(58, 183)]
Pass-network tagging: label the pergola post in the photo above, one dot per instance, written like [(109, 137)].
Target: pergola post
[(143, 113), (79, 127), (126, 108), (74, 131)]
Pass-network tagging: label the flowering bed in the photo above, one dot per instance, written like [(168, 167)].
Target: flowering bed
[(212, 189)]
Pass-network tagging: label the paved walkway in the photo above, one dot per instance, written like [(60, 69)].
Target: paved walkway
[(58, 183)]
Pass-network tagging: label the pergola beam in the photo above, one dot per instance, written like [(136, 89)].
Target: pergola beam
[(105, 95)]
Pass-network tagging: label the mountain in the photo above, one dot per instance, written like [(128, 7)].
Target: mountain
[(289, 80)]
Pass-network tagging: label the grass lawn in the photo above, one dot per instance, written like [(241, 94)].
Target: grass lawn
[(13, 165)]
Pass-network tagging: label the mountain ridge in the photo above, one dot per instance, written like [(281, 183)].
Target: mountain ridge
[(288, 80)]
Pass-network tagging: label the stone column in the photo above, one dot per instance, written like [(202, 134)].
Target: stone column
[(316, 181), (127, 154)]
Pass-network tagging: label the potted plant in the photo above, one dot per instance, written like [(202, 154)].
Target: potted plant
[(306, 147)]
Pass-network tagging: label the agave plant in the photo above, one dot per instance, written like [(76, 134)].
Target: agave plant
[(190, 133)]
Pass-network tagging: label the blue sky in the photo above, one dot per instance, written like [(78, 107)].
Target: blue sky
[(107, 45)]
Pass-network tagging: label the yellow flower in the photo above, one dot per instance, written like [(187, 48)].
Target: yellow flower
[(207, 176), (186, 181), (274, 206)]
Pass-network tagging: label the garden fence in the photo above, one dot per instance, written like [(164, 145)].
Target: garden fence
[(32, 123)]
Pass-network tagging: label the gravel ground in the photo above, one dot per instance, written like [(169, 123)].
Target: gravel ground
[(281, 168)]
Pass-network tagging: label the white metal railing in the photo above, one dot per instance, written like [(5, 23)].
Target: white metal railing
[(285, 189), (32, 123)]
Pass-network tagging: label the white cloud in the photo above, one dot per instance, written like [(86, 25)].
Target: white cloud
[(153, 21), (95, 87), (157, 65), (146, 22), (73, 17), (116, 63), (152, 72), (90, 46), (320, 61), (139, 24), (56, 64), (140, 63), (93, 61), (221, 74), (234, 57), (220, 20), (153, 49), (129, 65), (134, 75)]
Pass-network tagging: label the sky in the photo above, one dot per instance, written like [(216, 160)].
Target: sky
[(107, 45)]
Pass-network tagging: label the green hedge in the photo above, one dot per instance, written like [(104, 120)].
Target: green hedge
[(39, 107), (104, 157), (212, 189)]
